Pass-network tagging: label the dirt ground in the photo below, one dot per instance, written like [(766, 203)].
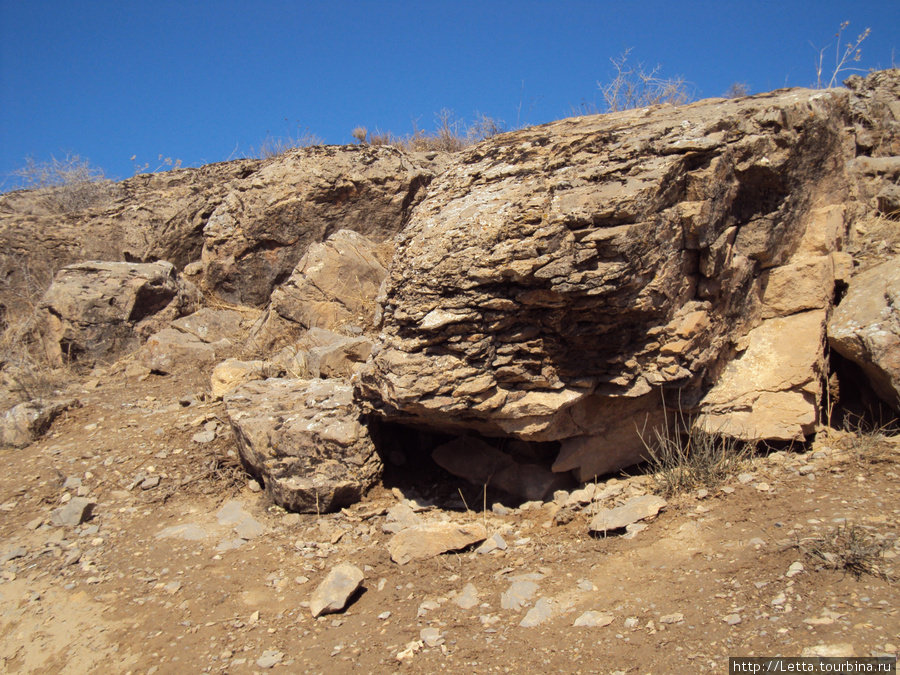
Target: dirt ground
[(710, 577)]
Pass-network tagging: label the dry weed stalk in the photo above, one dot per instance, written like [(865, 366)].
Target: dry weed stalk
[(851, 54)]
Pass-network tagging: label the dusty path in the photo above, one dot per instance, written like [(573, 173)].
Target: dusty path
[(709, 578)]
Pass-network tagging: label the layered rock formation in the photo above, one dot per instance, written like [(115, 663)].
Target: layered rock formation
[(558, 278)]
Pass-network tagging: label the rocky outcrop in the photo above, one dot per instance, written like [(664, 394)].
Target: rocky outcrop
[(97, 311), (334, 285), (256, 236), (306, 440), (865, 328), (238, 228), (556, 278)]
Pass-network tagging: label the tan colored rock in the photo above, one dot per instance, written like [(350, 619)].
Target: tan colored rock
[(259, 232), (232, 373), (798, 287), (427, 541), (585, 264), (632, 511), (96, 311), (170, 350), (864, 328), (335, 282), (772, 389), (335, 591)]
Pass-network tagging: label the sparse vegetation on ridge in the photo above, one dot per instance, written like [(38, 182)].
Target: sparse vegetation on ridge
[(451, 134), (66, 185)]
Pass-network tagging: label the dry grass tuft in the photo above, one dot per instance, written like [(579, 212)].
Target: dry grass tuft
[(685, 461), (850, 548)]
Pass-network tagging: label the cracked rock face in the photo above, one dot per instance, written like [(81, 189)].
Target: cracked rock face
[(556, 278)]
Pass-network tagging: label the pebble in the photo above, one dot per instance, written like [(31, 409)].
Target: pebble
[(431, 637), (495, 543), (795, 569), (150, 483), (336, 590), (518, 594), (732, 619), (205, 437), (468, 598), (677, 617)]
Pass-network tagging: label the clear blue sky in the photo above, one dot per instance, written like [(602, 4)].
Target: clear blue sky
[(202, 81)]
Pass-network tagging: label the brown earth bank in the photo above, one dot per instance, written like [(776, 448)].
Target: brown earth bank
[(153, 582)]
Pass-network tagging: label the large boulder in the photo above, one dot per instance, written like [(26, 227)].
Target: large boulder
[(555, 278), (97, 311), (865, 328), (306, 439)]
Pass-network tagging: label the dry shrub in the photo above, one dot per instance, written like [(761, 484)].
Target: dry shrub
[(850, 548), (637, 86), (274, 146), (66, 185), (451, 134)]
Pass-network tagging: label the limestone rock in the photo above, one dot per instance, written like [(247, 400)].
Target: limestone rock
[(557, 270), (336, 590), (24, 422), (306, 440), (231, 373), (771, 390), (432, 539), (865, 328), (170, 350), (76, 511), (95, 311), (258, 233), (631, 512), (335, 283)]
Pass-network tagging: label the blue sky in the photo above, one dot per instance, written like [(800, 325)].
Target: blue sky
[(207, 81)]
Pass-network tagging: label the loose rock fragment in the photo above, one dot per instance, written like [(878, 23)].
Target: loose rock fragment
[(427, 541), (74, 513), (631, 512), (591, 619), (336, 590)]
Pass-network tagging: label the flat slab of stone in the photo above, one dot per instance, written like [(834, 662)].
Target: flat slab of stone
[(592, 619), (426, 541), (336, 590), (630, 512)]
